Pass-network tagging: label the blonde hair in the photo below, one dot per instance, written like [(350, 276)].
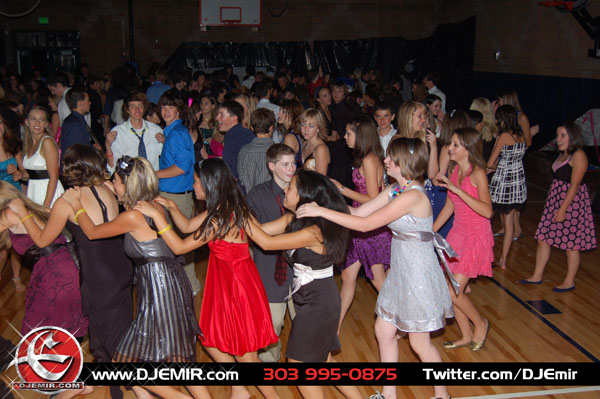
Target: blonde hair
[(139, 179), (248, 109), (489, 130), (405, 118), (509, 97), (8, 192), (28, 144), (317, 118)]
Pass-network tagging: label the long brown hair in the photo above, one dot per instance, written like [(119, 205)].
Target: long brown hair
[(226, 205), (367, 140), (453, 121), (294, 109), (11, 144), (471, 140)]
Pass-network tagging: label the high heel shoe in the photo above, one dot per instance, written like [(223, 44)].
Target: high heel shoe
[(477, 346), (452, 345)]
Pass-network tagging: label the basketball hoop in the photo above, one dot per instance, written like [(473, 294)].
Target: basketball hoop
[(230, 13)]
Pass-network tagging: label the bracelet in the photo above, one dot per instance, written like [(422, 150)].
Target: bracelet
[(23, 219), (79, 212), (109, 156), (163, 231)]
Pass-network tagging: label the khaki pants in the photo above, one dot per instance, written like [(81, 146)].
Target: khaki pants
[(185, 203), (272, 353)]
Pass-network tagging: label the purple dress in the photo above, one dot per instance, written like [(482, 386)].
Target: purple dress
[(371, 247), (53, 296)]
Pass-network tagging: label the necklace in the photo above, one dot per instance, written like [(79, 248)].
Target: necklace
[(397, 191)]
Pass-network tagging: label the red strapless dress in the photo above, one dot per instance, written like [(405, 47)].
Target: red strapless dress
[(235, 316)]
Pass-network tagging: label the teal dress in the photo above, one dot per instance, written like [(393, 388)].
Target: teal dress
[(5, 176)]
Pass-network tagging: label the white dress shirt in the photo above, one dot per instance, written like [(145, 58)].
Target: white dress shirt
[(385, 140), (264, 103), (127, 143)]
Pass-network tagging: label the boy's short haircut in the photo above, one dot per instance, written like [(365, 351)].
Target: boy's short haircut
[(233, 108), (73, 96), (59, 78), (276, 151), (262, 120), (384, 106), (262, 89)]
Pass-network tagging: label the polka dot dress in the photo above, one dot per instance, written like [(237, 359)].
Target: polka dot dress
[(576, 232)]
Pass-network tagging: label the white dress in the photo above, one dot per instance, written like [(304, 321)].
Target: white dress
[(36, 188)]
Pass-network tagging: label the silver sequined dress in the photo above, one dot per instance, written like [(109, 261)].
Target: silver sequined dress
[(414, 296)]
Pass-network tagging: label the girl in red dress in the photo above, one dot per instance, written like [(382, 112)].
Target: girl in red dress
[(235, 316)]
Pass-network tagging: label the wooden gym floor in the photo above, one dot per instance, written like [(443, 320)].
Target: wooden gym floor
[(519, 332)]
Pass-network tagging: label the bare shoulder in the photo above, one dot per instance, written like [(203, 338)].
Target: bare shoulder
[(321, 149), (579, 158), (371, 160), (478, 176), (48, 144)]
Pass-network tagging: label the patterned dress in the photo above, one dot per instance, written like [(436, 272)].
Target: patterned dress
[(371, 247), (576, 232), (165, 325), (508, 188)]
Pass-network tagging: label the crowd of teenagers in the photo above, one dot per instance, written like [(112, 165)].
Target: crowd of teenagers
[(285, 178)]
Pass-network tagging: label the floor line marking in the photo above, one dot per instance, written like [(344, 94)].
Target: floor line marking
[(546, 321)]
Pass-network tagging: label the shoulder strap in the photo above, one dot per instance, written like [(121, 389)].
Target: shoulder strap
[(299, 141), (42, 140), (102, 206)]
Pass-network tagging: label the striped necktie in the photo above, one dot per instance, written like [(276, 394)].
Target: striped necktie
[(141, 145)]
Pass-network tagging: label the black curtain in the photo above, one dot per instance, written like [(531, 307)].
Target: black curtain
[(449, 51), (201, 55)]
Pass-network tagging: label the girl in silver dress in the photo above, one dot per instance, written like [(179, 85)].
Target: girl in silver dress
[(414, 298)]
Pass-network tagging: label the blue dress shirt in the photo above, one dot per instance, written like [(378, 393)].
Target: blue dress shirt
[(178, 149)]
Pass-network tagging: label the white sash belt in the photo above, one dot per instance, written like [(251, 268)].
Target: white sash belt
[(305, 274)]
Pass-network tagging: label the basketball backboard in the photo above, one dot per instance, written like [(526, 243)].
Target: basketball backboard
[(230, 12)]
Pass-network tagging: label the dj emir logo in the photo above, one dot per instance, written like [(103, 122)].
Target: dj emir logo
[(49, 360)]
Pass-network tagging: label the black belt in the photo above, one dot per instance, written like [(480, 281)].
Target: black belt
[(37, 174), (183, 192)]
